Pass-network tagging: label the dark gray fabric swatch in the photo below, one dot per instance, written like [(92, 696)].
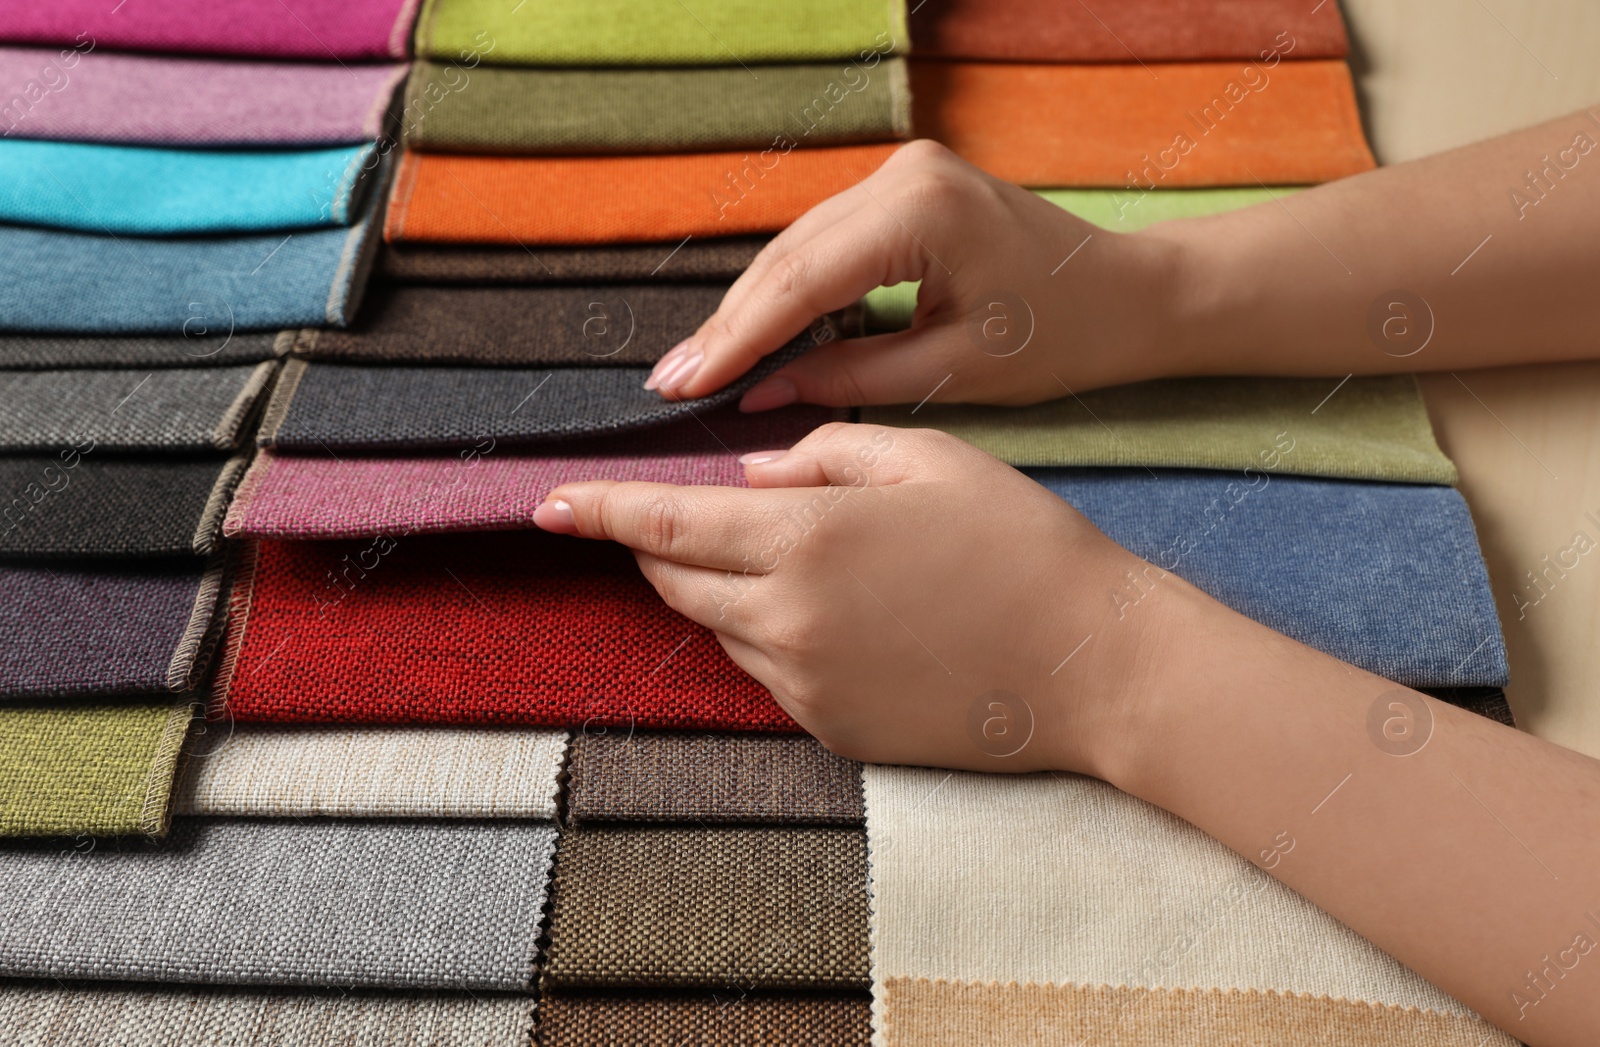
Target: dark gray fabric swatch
[(723, 259), (26, 352)]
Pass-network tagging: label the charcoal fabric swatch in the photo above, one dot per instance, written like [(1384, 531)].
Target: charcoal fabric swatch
[(729, 1018), (43, 352), (1485, 701), (133, 190), (97, 770), (620, 325), (168, 410), (80, 504), (86, 628), (718, 259), (649, 776), (321, 407), (527, 111), (1318, 560), (160, 100), (692, 907), (380, 904)]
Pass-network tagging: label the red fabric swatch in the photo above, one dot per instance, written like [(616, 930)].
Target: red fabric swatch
[(505, 628)]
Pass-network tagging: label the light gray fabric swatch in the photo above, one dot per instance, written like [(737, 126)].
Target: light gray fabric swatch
[(202, 348)]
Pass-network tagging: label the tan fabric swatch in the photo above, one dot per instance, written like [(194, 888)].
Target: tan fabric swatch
[(730, 1018)]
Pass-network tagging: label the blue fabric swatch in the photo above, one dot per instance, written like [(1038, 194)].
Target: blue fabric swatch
[(174, 192), (1388, 577)]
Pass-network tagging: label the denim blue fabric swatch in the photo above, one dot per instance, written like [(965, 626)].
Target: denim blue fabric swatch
[(163, 192), (1388, 577)]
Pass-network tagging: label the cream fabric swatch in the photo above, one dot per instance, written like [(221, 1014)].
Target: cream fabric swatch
[(372, 772)]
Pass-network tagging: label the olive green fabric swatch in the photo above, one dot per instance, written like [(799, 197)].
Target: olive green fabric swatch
[(530, 111), (1370, 429), (92, 769)]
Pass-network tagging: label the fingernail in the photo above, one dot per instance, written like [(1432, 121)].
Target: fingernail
[(679, 371), (773, 392), (761, 457), (555, 516), (662, 364)]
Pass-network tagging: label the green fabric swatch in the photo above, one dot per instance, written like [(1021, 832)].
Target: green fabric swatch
[(658, 32), (1120, 210), (99, 770), (1370, 429), (511, 110)]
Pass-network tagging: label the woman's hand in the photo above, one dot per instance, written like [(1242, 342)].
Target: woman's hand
[(1020, 301)]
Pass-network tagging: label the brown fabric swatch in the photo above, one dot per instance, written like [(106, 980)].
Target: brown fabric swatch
[(618, 326), (710, 778), (692, 907), (732, 1018), (723, 258)]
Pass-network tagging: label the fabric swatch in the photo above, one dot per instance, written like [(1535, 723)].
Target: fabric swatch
[(574, 111), (620, 325), (43, 352), (936, 1013), (692, 907), (172, 192), (1124, 125), (322, 407), (78, 629), (1370, 429), (319, 29), (203, 287), (90, 770), (509, 628), (156, 100), (733, 1017), (169, 410), (337, 902), (606, 199), (75, 504), (1317, 560), (659, 32), (1130, 30), (648, 776), (485, 488), (371, 772), (715, 260), (48, 1014)]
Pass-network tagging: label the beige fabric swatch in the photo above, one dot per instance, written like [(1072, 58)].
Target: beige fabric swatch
[(372, 772)]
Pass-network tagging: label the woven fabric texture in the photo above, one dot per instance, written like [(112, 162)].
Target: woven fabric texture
[(1317, 560), (608, 199), (323, 30), (371, 772), (644, 776), (619, 325), (53, 1015), (98, 770), (75, 504), (44, 352), (1151, 30), (1370, 429), (1189, 124), (692, 907), (381, 904), (727, 1019), (151, 100), (527, 111), (508, 628), (168, 410), (660, 32), (936, 1013), (127, 189), (76, 629), (716, 260), (483, 488), (320, 407)]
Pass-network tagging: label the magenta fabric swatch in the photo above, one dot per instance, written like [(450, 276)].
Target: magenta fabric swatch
[(158, 100), (488, 488), (324, 30)]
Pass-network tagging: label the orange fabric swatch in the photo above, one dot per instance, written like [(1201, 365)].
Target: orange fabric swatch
[(607, 199), (1156, 126)]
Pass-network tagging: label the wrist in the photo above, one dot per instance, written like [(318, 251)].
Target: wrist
[(1204, 288)]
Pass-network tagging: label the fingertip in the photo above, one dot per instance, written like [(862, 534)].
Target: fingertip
[(556, 516)]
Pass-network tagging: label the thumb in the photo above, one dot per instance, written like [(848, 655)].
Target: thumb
[(840, 454), (902, 367)]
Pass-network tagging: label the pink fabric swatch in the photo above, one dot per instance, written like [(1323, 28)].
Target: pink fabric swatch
[(325, 30), (156, 100), (285, 496)]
